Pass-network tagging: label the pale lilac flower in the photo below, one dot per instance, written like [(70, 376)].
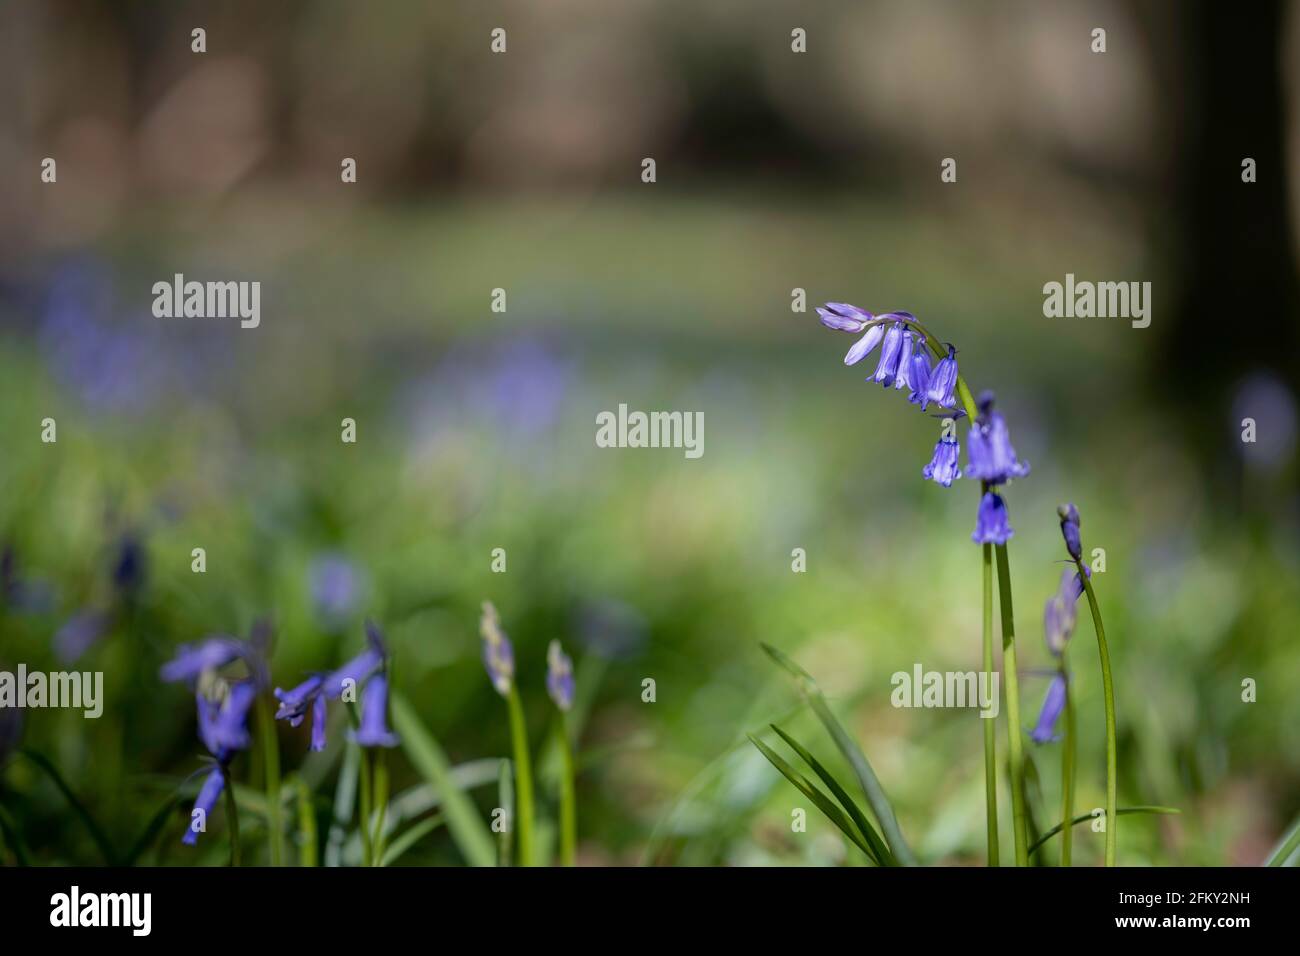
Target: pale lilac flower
[(903, 378), (991, 525), (559, 676), (890, 351), (1060, 614), (844, 317), (943, 466), (1053, 704), (192, 660), (943, 380)]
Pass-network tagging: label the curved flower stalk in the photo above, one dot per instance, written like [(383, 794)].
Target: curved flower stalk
[(559, 684), (991, 459), (499, 661)]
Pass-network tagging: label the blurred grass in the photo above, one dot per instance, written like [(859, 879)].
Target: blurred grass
[(476, 431)]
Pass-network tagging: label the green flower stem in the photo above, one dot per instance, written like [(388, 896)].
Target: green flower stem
[(306, 826), (568, 798), (1289, 845), (990, 725), (271, 765), (363, 774), (232, 818), (1067, 766), (1108, 690), (523, 778), (380, 767), (1009, 674)]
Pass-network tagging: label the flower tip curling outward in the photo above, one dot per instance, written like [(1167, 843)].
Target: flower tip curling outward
[(991, 525), (1053, 704), (843, 317), (374, 731), (865, 345), (206, 801), (943, 380), (1069, 516), (887, 369), (498, 654), (559, 676), (192, 660), (943, 466)]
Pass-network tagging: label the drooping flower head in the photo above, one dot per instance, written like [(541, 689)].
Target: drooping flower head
[(988, 447), (559, 676), (943, 466), (849, 318), (223, 717), (918, 375), (498, 654), (1060, 614), (943, 380), (890, 352), (206, 801), (991, 524), (313, 694), (1053, 704), (193, 660), (374, 731), (1069, 516)]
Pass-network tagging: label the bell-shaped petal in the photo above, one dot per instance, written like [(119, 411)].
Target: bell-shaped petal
[(1053, 704), (919, 375), (319, 712), (943, 466), (206, 801), (864, 346), (890, 350), (844, 317), (559, 676), (374, 731), (943, 380), (991, 524)]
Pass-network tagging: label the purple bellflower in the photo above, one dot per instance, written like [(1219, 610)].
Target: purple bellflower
[(192, 660), (313, 694), (1053, 704), (206, 801), (1069, 515), (890, 352), (374, 731), (295, 703), (991, 525), (943, 380), (559, 676), (79, 633), (223, 730), (988, 447), (1060, 614), (498, 654), (918, 374), (943, 466)]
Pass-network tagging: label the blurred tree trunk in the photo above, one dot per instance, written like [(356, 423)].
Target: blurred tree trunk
[(1234, 307)]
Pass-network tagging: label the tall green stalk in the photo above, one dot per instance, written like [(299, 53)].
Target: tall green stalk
[(363, 774), (523, 778), (1108, 691), (990, 724), (568, 797), (232, 819), (1067, 767), (271, 765), (1011, 677)]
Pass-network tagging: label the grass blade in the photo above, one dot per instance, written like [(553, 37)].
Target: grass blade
[(823, 802), (12, 837), (466, 826), (150, 833), (409, 837), (879, 850), (1122, 811), (875, 794), (1287, 848), (96, 833)]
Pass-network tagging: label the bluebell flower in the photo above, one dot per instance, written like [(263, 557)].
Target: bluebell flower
[(559, 676), (498, 654), (356, 671), (206, 801), (1060, 614), (844, 317), (991, 526), (1069, 515), (374, 731), (918, 375), (319, 713), (79, 633), (129, 565), (988, 447), (943, 380), (294, 703), (223, 726), (335, 586), (943, 466), (1053, 704), (192, 660), (903, 378), (887, 368)]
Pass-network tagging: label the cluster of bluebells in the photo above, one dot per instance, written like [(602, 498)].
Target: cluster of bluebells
[(1060, 615), (366, 672), (499, 661), (223, 706), (905, 364)]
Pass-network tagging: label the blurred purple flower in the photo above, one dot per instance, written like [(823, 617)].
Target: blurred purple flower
[(222, 724), (294, 703), (498, 654), (1060, 614), (1053, 704), (1069, 516), (1267, 400), (206, 801), (335, 586), (559, 676), (374, 731), (210, 654), (80, 633), (319, 714), (991, 525), (988, 447)]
